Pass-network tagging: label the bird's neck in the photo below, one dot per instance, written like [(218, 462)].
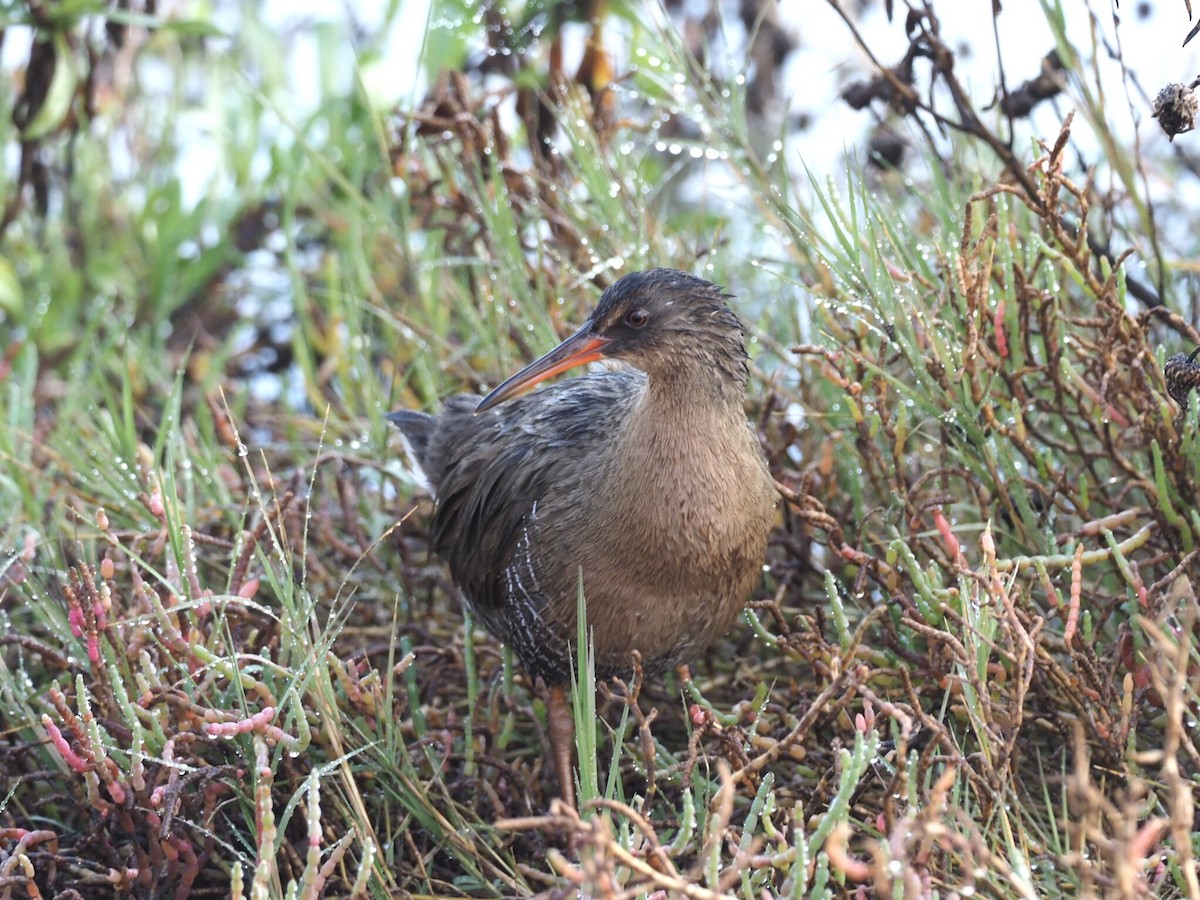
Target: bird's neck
[(700, 385), (682, 401), (684, 416)]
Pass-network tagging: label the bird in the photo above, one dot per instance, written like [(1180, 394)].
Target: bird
[(645, 484)]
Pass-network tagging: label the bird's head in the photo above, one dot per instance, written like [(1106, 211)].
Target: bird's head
[(663, 321)]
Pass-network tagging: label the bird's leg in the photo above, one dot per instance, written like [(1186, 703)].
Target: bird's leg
[(562, 736)]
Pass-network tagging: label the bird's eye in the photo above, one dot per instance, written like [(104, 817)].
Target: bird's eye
[(637, 318)]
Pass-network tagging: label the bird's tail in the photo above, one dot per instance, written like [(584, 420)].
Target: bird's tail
[(416, 428)]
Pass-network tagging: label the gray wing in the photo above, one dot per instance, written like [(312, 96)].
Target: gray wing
[(490, 470)]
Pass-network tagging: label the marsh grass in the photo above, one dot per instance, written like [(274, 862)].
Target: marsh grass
[(230, 661)]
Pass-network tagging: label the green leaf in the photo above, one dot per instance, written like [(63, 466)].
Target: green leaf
[(57, 102), (11, 294)]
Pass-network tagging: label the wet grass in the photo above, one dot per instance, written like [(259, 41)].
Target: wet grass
[(228, 658)]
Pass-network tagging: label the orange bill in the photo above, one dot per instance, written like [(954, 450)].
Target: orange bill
[(581, 347)]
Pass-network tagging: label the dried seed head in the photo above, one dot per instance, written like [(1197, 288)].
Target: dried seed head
[(1175, 108), (1182, 374)]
